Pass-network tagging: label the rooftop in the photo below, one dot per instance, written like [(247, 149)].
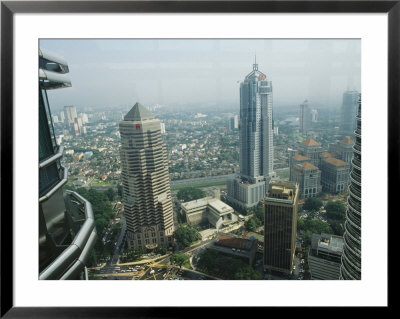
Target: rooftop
[(138, 113), (326, 154), (310, 142), (308, 166), (300, 157), (327, 242), (347, 140), (196, 203), (219, 205), (335, 161), (281, 190), (234, 242)]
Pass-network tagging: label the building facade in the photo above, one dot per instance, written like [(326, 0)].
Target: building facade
[(335, 175), (280, 226), (324, 256), (145, 180), (307, 176), (67, 232), (351, 258), (343, 149), (256, 141)]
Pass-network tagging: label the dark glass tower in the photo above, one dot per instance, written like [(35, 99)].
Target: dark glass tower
[(67, 230), (351, 257)]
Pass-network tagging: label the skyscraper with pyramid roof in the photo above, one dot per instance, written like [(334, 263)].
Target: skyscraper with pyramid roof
[(145, 180)]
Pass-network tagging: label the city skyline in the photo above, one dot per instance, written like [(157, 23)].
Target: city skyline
[(111, 73), (144, 219)]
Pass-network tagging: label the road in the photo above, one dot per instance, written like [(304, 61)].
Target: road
[(115, 257)]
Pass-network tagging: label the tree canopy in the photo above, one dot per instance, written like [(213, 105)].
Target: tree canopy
[(226, 267), (190, 193), (312, 203), (179, 259), (336, 210), (186, 235)]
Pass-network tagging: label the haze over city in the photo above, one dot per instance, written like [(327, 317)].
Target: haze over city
[(203, 73)]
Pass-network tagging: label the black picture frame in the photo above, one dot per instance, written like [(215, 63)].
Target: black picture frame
[(9, 8)]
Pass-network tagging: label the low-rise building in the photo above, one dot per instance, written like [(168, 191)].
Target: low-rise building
[(324, 256), (208, 210), (237, 247)]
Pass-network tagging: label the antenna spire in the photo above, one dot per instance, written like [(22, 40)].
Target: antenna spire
[(255, 65)]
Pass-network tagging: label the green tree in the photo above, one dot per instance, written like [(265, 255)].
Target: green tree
[(259, 213), (186, 235), (251, 224), (335, 210), (312, 203), (190, 193), (110, 194), (119, 190), (179, 259)]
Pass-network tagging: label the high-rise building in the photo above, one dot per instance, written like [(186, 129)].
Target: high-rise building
[(305, 117), (280, 226), (324, 256), (73, 121), (348, 113), (351, 258), (314, 116), (70, 114), (145, 180), (234, 123), (256, 141), (62, 116), (67, 231)]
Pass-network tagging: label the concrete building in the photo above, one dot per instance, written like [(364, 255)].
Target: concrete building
[(343, 149), (307, 176), (324, 256), (280, 226), (208, 210), (67, 230), (145, 180), (304, 118), (348, 113), (256, 141), (236, 247), (351, 258), (334, 175), (311, 149)]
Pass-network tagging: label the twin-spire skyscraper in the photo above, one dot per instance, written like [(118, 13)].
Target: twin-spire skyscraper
[(256, 141)]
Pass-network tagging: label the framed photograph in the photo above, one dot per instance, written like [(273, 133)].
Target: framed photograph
[(134, 63)]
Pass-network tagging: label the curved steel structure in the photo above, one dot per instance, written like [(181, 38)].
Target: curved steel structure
[(67, 231), (351, 257)]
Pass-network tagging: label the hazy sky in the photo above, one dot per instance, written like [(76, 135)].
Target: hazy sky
[(205, 72)]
